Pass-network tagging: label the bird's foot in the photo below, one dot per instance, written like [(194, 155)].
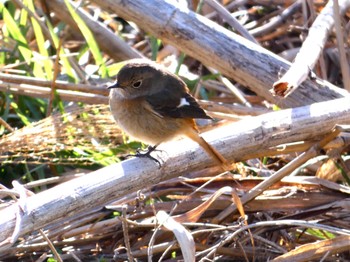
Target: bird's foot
[(146, 154)]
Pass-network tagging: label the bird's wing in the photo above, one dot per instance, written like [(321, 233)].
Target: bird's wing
[(175, 101)]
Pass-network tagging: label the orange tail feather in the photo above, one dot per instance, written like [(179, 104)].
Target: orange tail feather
[(211, 151)]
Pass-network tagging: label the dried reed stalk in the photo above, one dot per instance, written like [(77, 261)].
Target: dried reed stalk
[(80, 128)]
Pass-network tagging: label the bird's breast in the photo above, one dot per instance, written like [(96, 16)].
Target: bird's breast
[(136, 120)]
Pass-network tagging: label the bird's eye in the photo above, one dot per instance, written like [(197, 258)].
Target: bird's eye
[(137, 84)]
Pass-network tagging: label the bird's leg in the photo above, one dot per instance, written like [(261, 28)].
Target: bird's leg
[(147, 154)]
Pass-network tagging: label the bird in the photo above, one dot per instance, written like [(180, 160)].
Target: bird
[(153, 106)]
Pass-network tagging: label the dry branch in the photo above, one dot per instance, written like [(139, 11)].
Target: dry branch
[(213, 45), (276, 21), (44, 92), (310, 51), (231, 20), (64, 85), (299, 194), (237, 141), (316, 251)]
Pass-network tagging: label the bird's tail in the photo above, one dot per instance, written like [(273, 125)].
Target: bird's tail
[(211, 151)]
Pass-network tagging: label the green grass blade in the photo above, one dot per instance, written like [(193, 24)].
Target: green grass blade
[(89, 39), (155, 44), (114, 68), (16, 33), (21, 116), (66, 66), (40, 40)]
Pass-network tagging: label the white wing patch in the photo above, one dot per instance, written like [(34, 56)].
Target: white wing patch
[(183, 102)]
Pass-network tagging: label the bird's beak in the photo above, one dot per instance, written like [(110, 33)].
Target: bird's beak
[(114, 85)]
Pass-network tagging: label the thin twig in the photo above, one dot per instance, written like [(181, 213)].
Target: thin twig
[(276, 21), (126, 235), (64, 85), (44, 92), (53, 82), (298, 223), (231, 20), (238, 93), (5, 124), (52, 247)]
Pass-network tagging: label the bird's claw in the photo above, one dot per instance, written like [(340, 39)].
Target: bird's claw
[(146, 154)]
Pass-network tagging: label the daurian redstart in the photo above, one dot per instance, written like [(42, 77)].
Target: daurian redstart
[(154, 105)]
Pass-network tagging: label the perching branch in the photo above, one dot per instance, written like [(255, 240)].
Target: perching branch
[(238, 141)]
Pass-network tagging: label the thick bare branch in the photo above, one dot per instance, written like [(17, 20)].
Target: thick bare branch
[(237, 141), (213, 45)]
